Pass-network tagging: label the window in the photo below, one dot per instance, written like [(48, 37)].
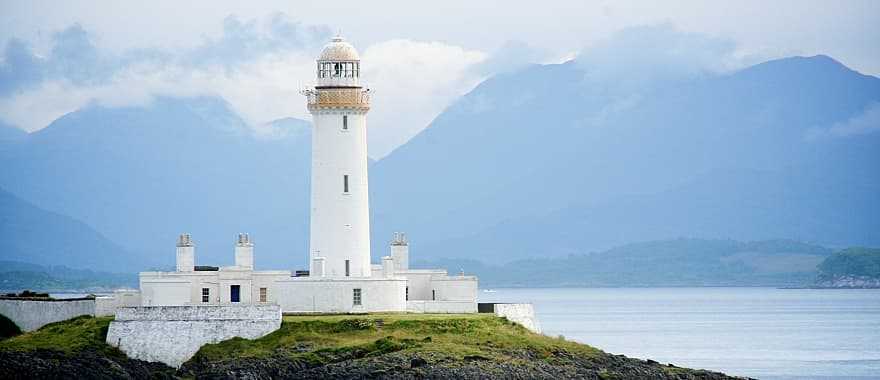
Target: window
[(345, 183), (407, 293), (206, 295), (347, 267), (356, 297), (264, 295), (433, 295), (344, 122)]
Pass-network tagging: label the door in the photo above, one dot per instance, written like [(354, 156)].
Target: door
[(235, 293)]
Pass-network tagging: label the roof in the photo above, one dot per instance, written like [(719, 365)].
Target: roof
[(339, 50)]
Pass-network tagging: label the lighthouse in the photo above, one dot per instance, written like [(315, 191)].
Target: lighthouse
[(339, 239)]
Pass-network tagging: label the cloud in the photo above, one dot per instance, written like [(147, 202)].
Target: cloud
[(862, 124), (638, 58), (257, 66), (511, 56), (415, 80), (242, 41), (20, 67)]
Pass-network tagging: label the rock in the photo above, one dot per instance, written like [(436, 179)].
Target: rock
[(417, 362)]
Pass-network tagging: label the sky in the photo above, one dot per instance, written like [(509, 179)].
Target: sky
[(418, 57)]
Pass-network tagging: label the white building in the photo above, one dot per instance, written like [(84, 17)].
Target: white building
[(340, 277)]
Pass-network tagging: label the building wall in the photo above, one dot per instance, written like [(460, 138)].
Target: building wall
[(107, 305), (185, 288), (455, 288), (308, 295), (340, 221), (173, 334), (419, 282), (30, 315)]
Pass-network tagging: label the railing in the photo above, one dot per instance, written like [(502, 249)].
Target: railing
[(332, 98)]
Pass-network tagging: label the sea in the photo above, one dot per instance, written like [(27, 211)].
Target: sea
[(765, 333)]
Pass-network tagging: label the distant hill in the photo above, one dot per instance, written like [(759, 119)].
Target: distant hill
[(851, 268), (17, 276), (679, 262), (544, 163), (47, 238)]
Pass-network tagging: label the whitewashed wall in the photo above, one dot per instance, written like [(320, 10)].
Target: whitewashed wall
[(522, 313), (340, 222), (456, 288), (441, 307), (31, 315), (173, 334), (308, 295)]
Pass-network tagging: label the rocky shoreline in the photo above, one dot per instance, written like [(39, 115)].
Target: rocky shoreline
[(339, 347), (396, 365), (847, 282)]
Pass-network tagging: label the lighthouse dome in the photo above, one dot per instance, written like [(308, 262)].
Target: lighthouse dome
[(339, 50)]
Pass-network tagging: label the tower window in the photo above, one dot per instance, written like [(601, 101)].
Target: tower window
[(344, 122), (264, 295), (356, 296), (206, 295), (345, 183), (347, 268)]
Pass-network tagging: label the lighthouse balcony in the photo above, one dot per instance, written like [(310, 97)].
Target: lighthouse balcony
[(333, 98)]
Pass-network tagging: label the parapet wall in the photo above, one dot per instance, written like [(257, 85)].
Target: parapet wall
[(173, 334), (522, 313), (30, 314), (458, 307)]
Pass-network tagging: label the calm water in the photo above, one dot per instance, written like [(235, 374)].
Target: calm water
[(758, 332)]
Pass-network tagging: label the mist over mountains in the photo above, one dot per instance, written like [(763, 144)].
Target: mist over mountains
[(540, 162)]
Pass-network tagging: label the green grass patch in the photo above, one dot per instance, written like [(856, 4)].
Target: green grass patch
[(320, 339), (69, 336)]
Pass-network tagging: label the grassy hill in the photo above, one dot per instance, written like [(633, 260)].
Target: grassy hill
[(678, 262), (851, 268), (345, 346)]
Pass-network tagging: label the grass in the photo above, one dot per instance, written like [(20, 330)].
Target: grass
[(69, 336), (331, 338), (327, 338)]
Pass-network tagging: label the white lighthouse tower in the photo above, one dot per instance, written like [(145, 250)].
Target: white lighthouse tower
[(339, 243)]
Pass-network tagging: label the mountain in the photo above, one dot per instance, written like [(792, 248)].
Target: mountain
[(142, 175), (679, 262), (46, 238), (547, 162)]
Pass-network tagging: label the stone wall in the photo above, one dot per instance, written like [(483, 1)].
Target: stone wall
[(459, 307), (522, 313), (173, 334), (31, 314)]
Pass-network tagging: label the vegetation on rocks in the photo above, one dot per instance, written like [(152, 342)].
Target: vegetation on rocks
[(8, 328), (340, 346)]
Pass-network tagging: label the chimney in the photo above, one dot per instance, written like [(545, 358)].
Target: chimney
[(186, 253), (400, 251), (244, 252), (387, 266)]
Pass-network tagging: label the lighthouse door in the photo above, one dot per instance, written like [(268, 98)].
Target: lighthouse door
[(235, 293)]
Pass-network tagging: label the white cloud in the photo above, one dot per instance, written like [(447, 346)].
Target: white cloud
[(254, 68), (861, 124), (413, 82)]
